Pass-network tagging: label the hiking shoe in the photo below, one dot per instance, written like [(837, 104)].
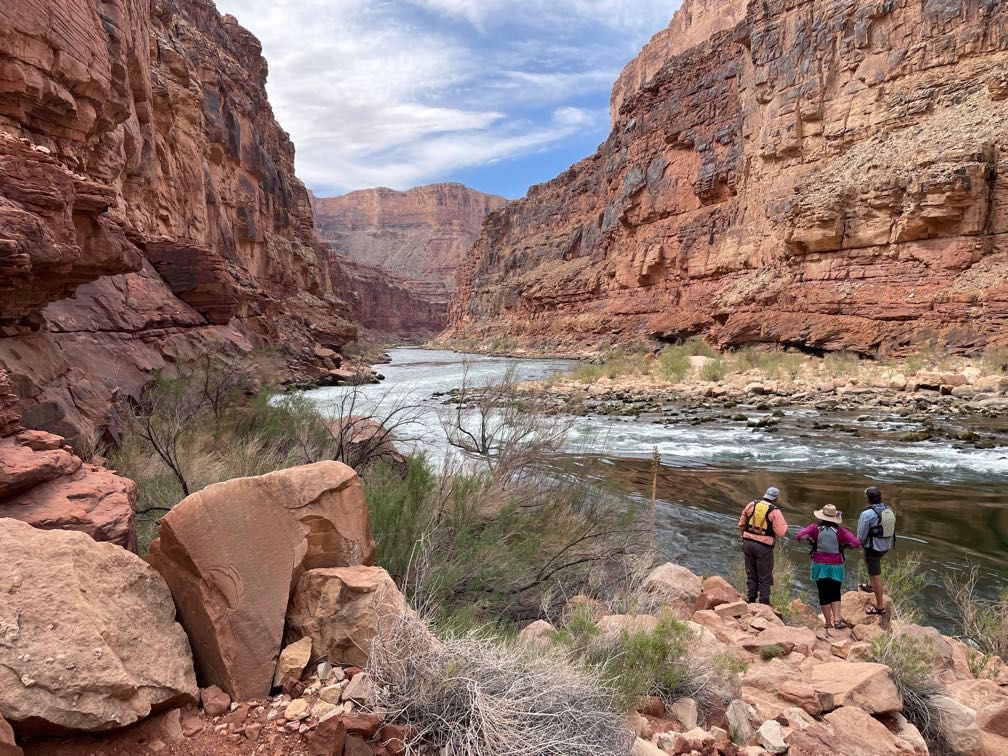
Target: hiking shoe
[(866, 587), (874, 610)]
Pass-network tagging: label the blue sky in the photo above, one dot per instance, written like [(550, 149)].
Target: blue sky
[(496, 94)]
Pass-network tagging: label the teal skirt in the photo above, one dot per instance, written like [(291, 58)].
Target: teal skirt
[(828, 572)]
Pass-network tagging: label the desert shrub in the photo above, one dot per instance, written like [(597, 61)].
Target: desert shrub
[(773, 651), (714, 370), (995, 360), (726, 664), (650, 663), (673, 363), (984, 623), (471, 695), (913, 664), (841, 364), (697, 347), (782, 593)]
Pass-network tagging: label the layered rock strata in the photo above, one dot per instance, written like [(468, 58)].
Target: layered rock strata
[(821, 175), (43, 483), (148, 205), (415, 239)]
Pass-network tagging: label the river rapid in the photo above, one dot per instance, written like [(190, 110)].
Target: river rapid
[(952, 502)]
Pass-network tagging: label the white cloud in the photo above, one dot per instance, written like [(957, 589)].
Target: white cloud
[(400, 92)]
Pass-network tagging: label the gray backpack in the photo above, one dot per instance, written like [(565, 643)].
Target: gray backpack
[(826, 540)]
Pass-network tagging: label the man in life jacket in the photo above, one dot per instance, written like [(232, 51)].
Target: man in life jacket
[(760, 525), (876, 529)]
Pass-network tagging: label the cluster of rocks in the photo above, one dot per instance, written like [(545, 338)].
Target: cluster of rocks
[(804, 691), (94, 639)]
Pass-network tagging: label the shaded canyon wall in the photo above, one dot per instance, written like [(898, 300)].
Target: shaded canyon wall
[(824, 174), (148, 205)]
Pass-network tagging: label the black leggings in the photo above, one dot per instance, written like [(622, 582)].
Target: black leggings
[(829, 591)]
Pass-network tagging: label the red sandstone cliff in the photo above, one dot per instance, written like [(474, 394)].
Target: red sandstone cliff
[(825, 175), (417, 237), (148, 204)]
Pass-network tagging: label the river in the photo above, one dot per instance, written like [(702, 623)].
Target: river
[(952, 502)]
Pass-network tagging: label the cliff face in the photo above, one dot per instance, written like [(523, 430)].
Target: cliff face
[(148, 204), (418, 237), (824, 175)]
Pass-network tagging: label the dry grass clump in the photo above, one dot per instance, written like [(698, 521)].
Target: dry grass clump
[(471, 695), (913, 665), (984, 623)]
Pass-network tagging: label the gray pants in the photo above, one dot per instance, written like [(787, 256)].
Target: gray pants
[(758, 570)]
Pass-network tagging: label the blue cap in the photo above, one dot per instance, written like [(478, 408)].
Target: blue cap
[(771, 494)]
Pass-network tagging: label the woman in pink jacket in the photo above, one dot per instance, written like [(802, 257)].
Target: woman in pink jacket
[(829, 539)]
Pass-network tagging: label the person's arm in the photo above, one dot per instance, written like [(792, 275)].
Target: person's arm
[(746, 514), (779, 524), (850, 539), (807, 533), (862, 526)]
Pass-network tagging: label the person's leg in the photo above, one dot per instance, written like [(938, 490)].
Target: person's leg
[(873, 561), (824, 603), (752, 577), (837, 617), (764, 569)]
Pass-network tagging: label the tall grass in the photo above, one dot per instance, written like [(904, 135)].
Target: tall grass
[(984, 623), (714, 370)]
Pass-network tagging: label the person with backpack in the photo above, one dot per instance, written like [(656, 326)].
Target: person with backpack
[(876, 530), (828, 539), (760, 525)]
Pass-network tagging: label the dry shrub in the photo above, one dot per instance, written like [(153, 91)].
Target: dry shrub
[(471, 695), (984, 623)]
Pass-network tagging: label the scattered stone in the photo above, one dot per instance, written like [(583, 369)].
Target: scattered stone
[(215, 701), (363, 724), (644, 748), (359, 689), (324, 671), (293, 660), (771, 737), (296, 710), (685, 711), (738, 713), (328, 738), (538, 634)]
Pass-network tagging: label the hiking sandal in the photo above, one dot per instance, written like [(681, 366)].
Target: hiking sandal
[(841, 625), (866, 588), (874, 610)]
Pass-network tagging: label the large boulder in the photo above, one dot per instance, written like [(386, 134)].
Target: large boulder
[(674, 584), (854, 603), (341, 610), (7, 745), (850, 731), (233, 553), (88, 637), (864, 684)]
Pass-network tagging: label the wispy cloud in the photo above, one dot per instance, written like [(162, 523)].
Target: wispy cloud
[(400, 92)]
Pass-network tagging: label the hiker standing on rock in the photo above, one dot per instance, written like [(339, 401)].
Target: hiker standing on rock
[(876, 529), (829, 539), (760, 525)]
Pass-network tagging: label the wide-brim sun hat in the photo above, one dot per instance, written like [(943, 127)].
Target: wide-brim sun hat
[(829, 513)]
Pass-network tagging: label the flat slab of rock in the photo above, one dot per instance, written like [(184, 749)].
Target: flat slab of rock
[(866, 685), (88, 637), (233, 552), (341, 609), (47, 486)]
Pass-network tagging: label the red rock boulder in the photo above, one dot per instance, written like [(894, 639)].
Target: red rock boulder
[(233, 552)]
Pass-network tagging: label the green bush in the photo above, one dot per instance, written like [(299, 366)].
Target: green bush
[(654, 663), (714, 370), (841, 364), (696, 346), (673, 363), (773, 651), (995, 360)]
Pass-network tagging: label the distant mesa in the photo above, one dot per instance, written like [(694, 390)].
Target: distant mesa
[(405, 244)]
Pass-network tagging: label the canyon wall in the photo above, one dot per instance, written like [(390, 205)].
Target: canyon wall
[(417, 237), (825, 174), (148, 205)]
